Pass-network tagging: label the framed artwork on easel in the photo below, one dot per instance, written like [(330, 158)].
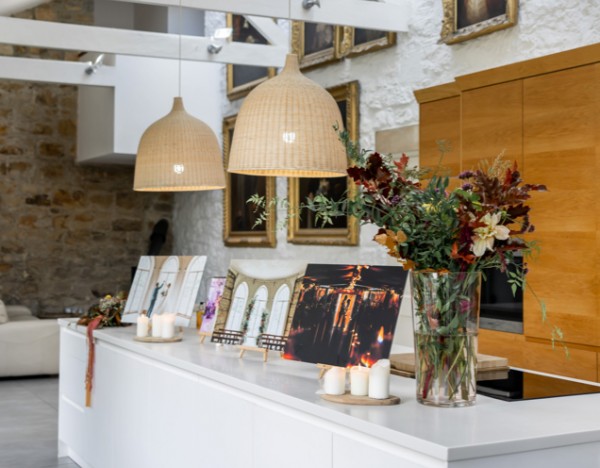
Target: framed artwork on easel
[(256, 300), (165, 285), (303, 228), (241, 79), (345, 314), (239, 224)]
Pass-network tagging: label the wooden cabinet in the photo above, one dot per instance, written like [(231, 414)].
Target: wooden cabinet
[(545, 113), (560, 138), (492, 122), (440, 120)]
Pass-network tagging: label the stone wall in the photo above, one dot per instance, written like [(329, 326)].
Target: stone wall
[(65, 229)]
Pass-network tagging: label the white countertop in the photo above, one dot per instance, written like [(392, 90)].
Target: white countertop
[(491, 427)]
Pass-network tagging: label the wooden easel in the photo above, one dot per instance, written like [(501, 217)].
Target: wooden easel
[(264, 351), (203, 336), (322, 369)]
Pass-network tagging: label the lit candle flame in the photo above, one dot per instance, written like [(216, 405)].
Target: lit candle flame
[(380, 335)]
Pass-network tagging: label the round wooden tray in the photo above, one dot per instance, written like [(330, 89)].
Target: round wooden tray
[(152, 339), (348, 399)]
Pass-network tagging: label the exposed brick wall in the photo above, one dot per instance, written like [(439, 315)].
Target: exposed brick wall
[(64, 229)]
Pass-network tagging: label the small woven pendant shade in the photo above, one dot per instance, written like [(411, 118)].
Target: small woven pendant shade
[(285, 128), (178, 153)]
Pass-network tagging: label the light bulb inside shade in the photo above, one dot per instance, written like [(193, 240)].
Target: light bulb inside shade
[(289, 137), (178, 168)]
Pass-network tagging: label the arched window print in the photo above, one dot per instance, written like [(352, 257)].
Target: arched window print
[(186, 295), (141, 285), (259, 307), (278, 318), (237, 308), (163, 288)]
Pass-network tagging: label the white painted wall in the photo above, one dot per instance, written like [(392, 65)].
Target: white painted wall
[(388, 79)]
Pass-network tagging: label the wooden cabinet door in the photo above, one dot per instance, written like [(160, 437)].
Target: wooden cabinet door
[(492, 123), (440, 120), (561, 135)]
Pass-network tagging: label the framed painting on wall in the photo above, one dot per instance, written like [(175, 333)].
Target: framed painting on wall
[(466, 19), (241, 79), (239, 229), (315, 44), (358, 41), (165, 285), (346, 314), (302, 226)]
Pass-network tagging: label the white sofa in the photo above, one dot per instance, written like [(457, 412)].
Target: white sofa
[(28, 345)]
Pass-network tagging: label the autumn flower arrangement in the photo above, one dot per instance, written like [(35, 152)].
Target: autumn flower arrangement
[(106, 313), (447, 238)]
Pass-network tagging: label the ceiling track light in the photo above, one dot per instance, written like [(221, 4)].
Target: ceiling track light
[(218, 40), (308, 4), (95, 65)]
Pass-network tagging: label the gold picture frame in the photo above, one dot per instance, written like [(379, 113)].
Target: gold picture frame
[(239, 217), (356, 41), (315, 44), (345, 230), (463, 22), (241, 79)]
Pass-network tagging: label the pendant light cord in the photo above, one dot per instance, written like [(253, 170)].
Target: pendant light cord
[(180, 27)]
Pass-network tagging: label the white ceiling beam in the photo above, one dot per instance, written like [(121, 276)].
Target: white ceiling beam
[(54, 71), (270, 30), (357, 13), (390, 16), (126, 42)]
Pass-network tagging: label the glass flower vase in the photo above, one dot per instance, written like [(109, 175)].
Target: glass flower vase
[(446, 322)]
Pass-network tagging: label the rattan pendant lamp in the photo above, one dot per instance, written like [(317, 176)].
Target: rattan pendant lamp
[(178, 152), (286, 128)]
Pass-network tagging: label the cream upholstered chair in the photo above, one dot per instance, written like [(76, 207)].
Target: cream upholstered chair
[(28, 345)]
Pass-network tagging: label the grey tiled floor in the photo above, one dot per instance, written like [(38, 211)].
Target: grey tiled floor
[(29, 424)]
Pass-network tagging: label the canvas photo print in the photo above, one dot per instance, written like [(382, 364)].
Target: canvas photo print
[(256, 300), (215, 293), (165, 285), (345, 314)]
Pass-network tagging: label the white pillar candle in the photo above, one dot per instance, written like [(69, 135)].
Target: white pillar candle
[(379, 380), (142, 326), (334, 381), (168, 326), (359, 381), (156, 325)]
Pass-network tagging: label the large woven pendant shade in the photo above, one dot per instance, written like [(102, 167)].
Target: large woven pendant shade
[(286, 128), (178, 153)]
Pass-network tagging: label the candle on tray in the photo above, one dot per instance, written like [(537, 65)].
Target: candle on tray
[(143, 323), (156, 326), (359, 381), (168, 326), (334, 381), (379, 380)]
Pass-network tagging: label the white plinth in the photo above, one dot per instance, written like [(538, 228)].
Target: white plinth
[(186, 404)]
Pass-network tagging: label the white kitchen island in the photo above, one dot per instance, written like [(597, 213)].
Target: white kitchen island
[(191, 405)]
